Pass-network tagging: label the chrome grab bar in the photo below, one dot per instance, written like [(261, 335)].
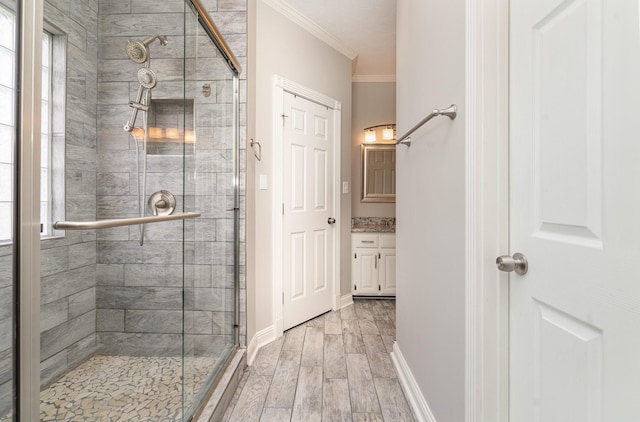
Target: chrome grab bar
[(451, 112), (118, 222)]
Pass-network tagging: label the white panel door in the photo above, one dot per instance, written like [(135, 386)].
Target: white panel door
[(308, 238), (575, 210)]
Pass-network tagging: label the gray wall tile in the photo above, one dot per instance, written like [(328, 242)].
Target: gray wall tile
[(153, 321), (66, 334), (110, 320)]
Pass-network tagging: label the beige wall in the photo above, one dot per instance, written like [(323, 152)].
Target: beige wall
[(278, 46), (374, 103), (431, 203)]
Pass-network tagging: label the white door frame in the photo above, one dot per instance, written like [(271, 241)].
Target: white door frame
[(487, 210), (280, 86)]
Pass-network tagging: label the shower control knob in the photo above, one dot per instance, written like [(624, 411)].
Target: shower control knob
[(162, 203)]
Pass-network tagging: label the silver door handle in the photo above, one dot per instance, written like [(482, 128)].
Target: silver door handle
[(517, 263), (331, 220)]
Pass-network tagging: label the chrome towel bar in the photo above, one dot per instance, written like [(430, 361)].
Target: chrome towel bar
[(118, 222), (451, 112)]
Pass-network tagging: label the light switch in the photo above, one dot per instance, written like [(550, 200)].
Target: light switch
[(345, 187), (263, 182)]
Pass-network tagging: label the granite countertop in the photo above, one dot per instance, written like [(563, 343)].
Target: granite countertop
[(373, 225), (379, 229)]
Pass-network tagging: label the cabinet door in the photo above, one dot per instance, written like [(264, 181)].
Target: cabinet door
[(387, 271), (365, 270)]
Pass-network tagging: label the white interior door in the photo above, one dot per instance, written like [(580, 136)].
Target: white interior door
[(575, 210), (308, 238)]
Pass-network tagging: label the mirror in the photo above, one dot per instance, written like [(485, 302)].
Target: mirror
[(378, 173)]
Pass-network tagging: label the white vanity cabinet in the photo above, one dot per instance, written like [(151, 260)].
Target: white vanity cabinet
[(373, 270)]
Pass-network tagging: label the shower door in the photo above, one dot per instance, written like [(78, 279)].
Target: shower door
[(129, 293)]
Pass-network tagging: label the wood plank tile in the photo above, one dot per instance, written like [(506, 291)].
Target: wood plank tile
[(389, 304), (394, 405), (332, 323), (312, 349), (381, 365), (334, 361), (362, 310), (378, 310), (368, 327), (392, 316), (386, 327), (283, 388), (352, 337), (274, 414), (373, 343), (348, 312), (349, 371), (388, 342), (294, 338), (336, 406), (317, 322), (368, 417), (308, 402), (361, 390), (249, 405), (379, 359), (267, 358)]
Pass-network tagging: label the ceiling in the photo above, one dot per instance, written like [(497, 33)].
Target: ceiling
[(367, 27)]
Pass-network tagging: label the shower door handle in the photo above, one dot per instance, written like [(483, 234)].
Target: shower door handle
[(119, 222)]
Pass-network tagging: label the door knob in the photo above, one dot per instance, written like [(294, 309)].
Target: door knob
[(331, 220), (517, 263)]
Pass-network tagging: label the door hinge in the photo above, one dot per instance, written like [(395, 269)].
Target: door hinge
[(379, 287), (283, 298), (283, 208), (379, 256), (355, 256), (355, 287)]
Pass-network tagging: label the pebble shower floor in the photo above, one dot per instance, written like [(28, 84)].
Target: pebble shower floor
[(122, 388)]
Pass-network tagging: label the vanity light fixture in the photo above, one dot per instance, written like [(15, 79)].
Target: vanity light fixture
[(388, 133), (369, 135)]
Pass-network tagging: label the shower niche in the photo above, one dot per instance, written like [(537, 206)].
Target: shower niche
[(171, 126)]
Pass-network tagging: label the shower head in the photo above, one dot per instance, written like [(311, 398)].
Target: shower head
[(138, 51)]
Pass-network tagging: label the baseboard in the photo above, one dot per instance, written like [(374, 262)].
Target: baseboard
[(417, 401), (262, 337), (252, 349), (346, 300)]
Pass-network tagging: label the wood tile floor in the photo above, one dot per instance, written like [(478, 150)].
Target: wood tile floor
[(333, 368)]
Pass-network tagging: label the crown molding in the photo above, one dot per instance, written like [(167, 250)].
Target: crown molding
[(291, 13), (373, 78)]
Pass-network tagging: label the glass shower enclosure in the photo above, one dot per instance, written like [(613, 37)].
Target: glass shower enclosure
[(138, 204)]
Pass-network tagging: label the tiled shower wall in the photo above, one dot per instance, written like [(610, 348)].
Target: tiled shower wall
[(139, 293), (68, 264)]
